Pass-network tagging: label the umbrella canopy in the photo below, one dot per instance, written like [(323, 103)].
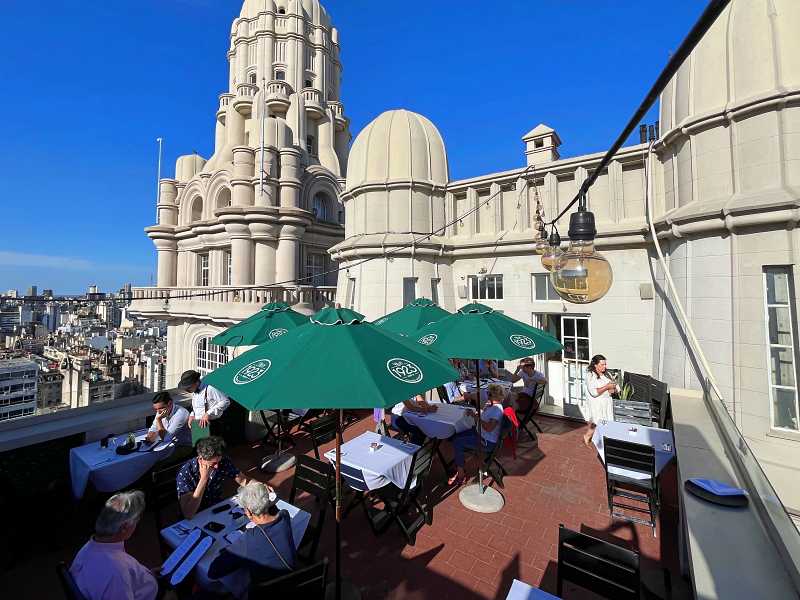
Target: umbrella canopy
[(354, 365), (336, 361), (411, 317), (477, 331), (270, 322)]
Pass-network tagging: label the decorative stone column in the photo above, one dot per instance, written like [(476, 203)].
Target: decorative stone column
[(241, 253), (290, 178), (243, 193), (265, 238), (288, 254), (167, 250), (167, 205)]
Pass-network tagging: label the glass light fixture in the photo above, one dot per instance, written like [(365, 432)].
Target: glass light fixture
[(553, 251), (581, 274), (542, 243)]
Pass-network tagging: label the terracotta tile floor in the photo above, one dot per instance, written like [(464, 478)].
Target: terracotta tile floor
[(463, 555)]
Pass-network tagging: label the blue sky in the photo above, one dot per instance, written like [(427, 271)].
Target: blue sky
[(88, 86)]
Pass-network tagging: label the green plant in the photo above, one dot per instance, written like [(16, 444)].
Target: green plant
[(626, 392)]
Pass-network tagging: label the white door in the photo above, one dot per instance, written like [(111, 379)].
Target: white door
[(575, 336)]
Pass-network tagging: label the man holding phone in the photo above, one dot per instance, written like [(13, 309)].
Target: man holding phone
[(201, 480), (171, 422)]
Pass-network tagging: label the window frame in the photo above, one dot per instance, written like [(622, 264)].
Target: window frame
[(208, 356), (227, 267), (315, 274), (549, 288), (495, 277), (203, 269), (791, 305), (407, 281)]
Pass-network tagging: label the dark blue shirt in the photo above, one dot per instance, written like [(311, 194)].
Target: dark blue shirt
[(189, 477), (253, 551)]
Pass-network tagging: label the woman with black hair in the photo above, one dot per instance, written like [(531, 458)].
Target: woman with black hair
[(599, 387)]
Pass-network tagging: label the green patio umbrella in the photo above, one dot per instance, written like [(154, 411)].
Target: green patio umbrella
[(271, 321), (411, 317), (354, 365), (477, 332)]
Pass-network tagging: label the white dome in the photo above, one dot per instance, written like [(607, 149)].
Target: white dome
[(398, 146), (747, 53), (312, 9)]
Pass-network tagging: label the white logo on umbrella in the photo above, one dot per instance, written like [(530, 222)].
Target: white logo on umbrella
[(249, 373), (381, 321), (276, 333), (427, 340), (523, 341), (404, 370)]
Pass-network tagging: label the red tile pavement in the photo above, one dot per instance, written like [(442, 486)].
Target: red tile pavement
[(463, 555)]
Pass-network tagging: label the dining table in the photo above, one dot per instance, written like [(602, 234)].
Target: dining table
[(109, 471), (229, 514), (444, 422), (371, 461), (661, 440)]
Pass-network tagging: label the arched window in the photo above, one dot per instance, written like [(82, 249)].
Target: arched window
[(281, 10), (252, 78), (209, 356), (320, 206), (280, 75), (223, 198), (197, 209)]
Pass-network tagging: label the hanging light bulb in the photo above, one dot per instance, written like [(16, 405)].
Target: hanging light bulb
[(581, 274), (542, 243), (553, 251)]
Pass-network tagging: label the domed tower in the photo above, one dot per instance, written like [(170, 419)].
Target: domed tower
[(728, 205), (395, 192), (268, 195)]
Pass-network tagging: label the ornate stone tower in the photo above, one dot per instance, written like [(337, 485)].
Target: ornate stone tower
[(266, 204)]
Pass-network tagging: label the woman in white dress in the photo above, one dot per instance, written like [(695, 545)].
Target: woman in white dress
[(599, 387)]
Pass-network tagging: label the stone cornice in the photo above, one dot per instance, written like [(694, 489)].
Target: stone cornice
[(400, 184)]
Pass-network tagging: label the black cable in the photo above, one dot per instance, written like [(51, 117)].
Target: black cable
[(703, 24)]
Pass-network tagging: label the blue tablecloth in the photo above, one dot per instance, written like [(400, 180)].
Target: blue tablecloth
[(238, 581), (522, 591), (389, 464), (661, 439), (109, 471), (448, 420)]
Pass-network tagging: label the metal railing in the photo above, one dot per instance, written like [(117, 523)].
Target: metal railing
[(315, 296), (779, 525)]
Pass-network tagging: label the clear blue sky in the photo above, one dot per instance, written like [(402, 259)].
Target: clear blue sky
[(88, 86)]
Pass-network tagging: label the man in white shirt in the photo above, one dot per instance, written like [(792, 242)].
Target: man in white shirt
[(208, 403), (102, 569), (531, 378), (171, 422)]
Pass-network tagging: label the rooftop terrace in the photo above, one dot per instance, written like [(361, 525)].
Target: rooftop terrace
[(463, 554)]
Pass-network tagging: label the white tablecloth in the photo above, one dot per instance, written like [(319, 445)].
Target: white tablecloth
[(522, 591), (448, 420), (661, 439), (472, 386), (238, 581), (109, 471), (389, 464)]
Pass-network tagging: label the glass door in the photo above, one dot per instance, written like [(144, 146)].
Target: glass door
[(575, 336)]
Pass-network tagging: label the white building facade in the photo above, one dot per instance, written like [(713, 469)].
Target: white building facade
[(18, 381), (726, 200), (264, 208)]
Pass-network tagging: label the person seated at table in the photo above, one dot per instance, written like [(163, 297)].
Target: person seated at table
[(462, 366), (201, 480), (488, 368), (102, 569), (170, 422), (491, 422), (208, 403), (267, 549), (526, 371), (418, 405)]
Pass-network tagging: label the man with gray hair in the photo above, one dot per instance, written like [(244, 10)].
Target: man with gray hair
[(102, 569), (201, 480), (268, 548)]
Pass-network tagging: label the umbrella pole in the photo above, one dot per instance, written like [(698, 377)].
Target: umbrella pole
[(339, 507), (480, 437)]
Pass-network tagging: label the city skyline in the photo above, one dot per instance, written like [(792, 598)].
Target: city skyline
[(107, 178)]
